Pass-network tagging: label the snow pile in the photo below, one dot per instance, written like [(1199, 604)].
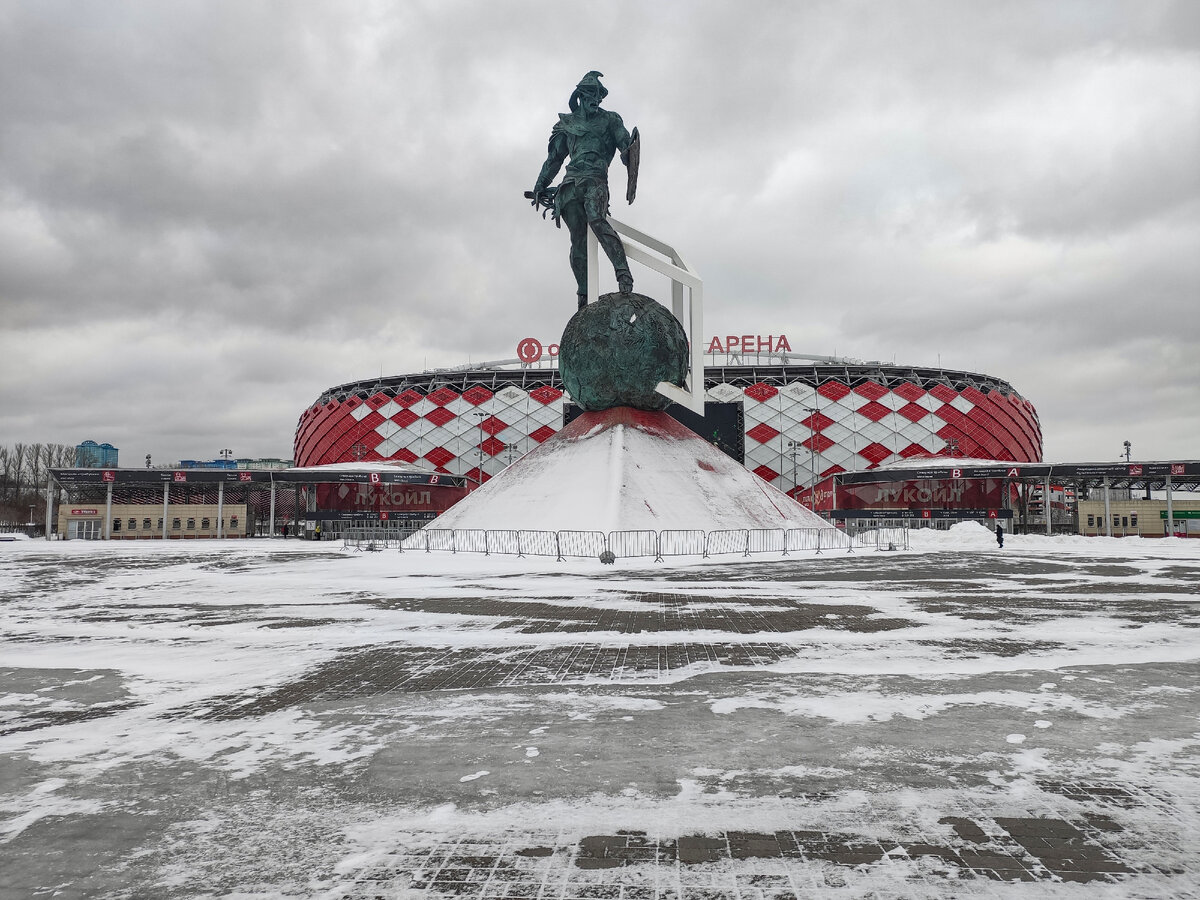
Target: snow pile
[(627, 470)]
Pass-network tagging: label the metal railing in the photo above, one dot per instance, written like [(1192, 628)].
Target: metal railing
[(655, 545)]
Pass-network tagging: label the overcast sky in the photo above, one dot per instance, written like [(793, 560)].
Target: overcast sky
[(210, 212)]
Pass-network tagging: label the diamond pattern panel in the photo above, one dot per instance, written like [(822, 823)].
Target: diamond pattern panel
[(442, 396), (723, 393), (833, 390), (871, 390), (761, 392), (818, 443), (854, 428), (762, 432), (874, 411), (874, 454), (913, 412), (766, 473), (439, 416), (477, 395), (909, 391)]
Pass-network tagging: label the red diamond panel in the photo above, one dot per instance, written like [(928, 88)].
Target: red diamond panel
[(833, 390), (914, 450), (492, 446), (817, 422), (405, 454), (762, 432), (442, 396), (439, 416), (370, 421), (546, 395), (377, 400), (817, 442), (493, 426), (874, 454), (943, 392), (913, 412), (973, 394), (870, 390), (873, 411), (439, 456), (406, 417), (542, 434), (909, 391), (477, 395), (832, 470), (766, 473), (408, 398), (949, 414), (761, 392)]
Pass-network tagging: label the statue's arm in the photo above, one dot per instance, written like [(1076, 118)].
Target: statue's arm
[(555, 156), (621, 137)]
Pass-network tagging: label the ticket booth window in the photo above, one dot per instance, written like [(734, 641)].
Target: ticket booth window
[(131, 524), (191, 524), (175, 524), (204, 525), (233, 523), (116, 526), (1133, 519), (1091, 521), (146, 526)]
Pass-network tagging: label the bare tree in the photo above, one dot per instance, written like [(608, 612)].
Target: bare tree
[(18, 472), (34, 465)]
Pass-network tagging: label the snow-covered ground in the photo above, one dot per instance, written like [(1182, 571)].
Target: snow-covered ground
[(287, 719)]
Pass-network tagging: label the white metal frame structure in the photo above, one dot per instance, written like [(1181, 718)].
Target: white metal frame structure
[(682, 275)]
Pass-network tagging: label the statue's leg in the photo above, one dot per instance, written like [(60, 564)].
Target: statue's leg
[(596, 205), (576, 221)]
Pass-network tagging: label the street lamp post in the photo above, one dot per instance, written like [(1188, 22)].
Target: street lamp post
[(481, 416), (793, 449), (812, 441)]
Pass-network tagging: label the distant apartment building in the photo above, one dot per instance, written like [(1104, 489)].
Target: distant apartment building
[(90, 455)]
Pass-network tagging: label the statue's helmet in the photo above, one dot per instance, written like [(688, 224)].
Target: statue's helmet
[(590, 83)]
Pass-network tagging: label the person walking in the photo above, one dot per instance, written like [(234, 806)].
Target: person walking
[(999, 534)]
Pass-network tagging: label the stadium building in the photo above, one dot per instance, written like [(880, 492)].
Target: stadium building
[(792, 419)]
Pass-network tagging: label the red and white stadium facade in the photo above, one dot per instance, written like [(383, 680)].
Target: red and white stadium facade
[(804, 417)]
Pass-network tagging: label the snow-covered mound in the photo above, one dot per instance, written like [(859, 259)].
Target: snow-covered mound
[(625, 470)]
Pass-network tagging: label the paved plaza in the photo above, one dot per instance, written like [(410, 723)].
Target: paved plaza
[(286, 719)]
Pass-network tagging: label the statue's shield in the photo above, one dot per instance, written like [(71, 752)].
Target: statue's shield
[(633, 158)]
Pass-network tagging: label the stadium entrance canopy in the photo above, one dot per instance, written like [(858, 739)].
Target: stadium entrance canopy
[(349, 490), (1169, 476)]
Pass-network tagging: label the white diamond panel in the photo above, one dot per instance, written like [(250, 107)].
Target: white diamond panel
[(929, 401), (422, 407), (389, 409), (421, 427), (389, 448), (387, 429)]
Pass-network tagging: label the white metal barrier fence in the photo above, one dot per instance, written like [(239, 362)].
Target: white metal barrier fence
[(653, 544)]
